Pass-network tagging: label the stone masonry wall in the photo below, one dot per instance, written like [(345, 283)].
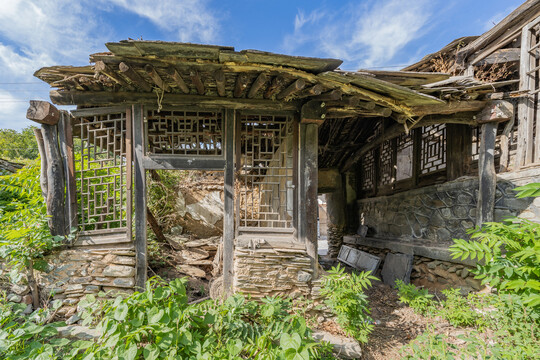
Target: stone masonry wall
[(266, 268), (73, 273), (440, 213)]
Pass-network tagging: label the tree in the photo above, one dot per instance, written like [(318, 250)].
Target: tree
[(18, 145)]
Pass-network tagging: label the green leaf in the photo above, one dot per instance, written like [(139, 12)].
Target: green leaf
[(290, 341), (151, 352), (121, 312), (130, 353)]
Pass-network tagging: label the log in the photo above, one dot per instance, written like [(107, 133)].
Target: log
[(275, 85), (156, 78), (241, 84), (55, 180), (219, 75), (330, 95), (134, 76), (101, 68), (196, 80), (311, 91), (9, 166), (449, 108), (257, 85), (292, 89), (173, 73), (43, 157), (43, 112), (66, 149)]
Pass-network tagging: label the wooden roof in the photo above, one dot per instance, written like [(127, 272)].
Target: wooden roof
[(133, 71)]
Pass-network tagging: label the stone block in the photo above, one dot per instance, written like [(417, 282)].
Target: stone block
[(304, 276), (124, 282), (81, 280), (397, 266), (20, 289), (119, 271), (14, 298)]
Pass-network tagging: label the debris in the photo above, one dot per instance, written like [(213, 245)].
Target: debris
[(358, 259), (191, 271), (397, 266)]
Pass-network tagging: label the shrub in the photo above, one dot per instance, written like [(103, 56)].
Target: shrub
[(419, 299), (345, 296)]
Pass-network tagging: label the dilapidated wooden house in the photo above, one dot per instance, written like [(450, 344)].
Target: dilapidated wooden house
[(414, 157)]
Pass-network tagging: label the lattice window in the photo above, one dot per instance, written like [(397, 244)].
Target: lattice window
[(404, 157), (475, 143), (387, 162), (265, 171), (368, 171), (433, 148), (100, 172), (185, 132)]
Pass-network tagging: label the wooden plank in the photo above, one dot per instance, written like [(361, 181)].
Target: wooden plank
[(104, 98), (43, 165), (458, 150), (501, 56), (55, 180), (496, 111), (525, 104), (228, 204), (505, 145), (141, 248), (129, 172), (103, 110), (449, 108), (43, 112), (175, 162), (486, 173)]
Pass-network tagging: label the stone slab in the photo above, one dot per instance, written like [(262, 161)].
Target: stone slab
[(397, 266), (359, 259)]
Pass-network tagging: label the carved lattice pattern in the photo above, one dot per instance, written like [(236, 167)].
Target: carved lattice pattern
[(100, 172), (265, 171), (368, 171), (185, 132), (387, 162), (433, 148)]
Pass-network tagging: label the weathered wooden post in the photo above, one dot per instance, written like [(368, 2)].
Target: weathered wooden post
[(141, 247)]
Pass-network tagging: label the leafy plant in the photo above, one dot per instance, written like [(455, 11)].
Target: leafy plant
[(510, 252), (345, 296), (457, 311), (418, 299)]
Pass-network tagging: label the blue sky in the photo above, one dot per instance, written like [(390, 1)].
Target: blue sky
[(368, 34)]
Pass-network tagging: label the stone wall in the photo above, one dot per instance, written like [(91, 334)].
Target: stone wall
[(73, 273), (442, 212), (272, 265)]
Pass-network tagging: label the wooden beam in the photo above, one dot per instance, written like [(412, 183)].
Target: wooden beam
[(65, 138), (257, 85), (496, 111), (219, 76), (89, 98), (228, 204), (55, 180), (173, 73), (150, 71), (313, 112), (275, 85), (43, 112), (292, 89), (101, 68), (501, 56), (241, 84), (167, 162), (486, 173), (134, 76), (330, 95), (308, 192), (311, 91), (449, 108), (196, 80), (141, 248)]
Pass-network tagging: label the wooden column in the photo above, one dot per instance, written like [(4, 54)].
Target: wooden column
[(228, 205), (309, 141), (141, 248), (486, 174), (458, 150), (66, 149)]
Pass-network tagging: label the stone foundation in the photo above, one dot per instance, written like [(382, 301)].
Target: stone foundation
[(73, 273), (272, 265), (335, 239)]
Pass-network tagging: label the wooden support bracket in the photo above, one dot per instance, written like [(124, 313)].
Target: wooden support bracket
[(313, 112)]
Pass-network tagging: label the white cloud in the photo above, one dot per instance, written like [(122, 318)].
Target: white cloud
[(192, 20), (363, 34)]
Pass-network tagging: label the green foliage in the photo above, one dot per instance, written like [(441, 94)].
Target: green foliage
[(508, 252), (18, 145), (509, 332), (24, 234), (29, 336), (457, 311), (419, 299), (345, 296), (159, 324)]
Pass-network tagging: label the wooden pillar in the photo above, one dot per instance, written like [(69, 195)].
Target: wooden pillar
[(458, 150), (43, 157), (486, 174), (350, 188), (66, 149), (228, 208), (307, 197), (141, 248)]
